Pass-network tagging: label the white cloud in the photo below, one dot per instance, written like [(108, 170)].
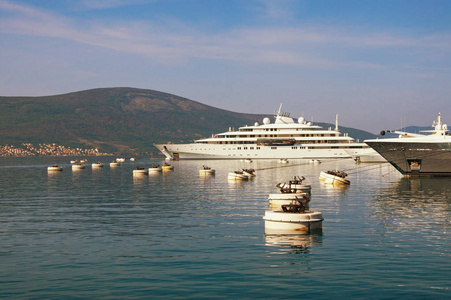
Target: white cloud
[(105, 4), (303, 46)]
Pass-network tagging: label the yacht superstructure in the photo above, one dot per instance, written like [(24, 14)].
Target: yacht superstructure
[(415, 154), (284, 138)]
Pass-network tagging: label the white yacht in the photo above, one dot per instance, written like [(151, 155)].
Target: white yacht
[(284, 138), (414, 154)]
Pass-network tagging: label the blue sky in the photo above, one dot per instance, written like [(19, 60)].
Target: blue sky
[(378, 64)]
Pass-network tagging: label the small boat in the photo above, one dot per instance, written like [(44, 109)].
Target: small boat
[(83, 161), (314, 161), (206, 170), (155, 168), (78, 166), (54, 168), (237, 175), (167, 167), (283, 161), (132, 159), (120, 159), (140, 171), (250, 173), (247, 160), (294, 186), (114, 163), (294, 218), (74, 161), (97, 165), (334, 177)]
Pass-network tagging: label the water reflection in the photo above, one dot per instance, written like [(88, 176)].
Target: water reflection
[(334, 189), (415, 204), (139, 179), (293, 243)]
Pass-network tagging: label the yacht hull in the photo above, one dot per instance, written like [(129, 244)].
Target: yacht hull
[(253, 151), (416, 158), (367, 155)]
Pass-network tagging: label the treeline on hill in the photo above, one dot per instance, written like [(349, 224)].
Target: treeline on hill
[(118, 120)]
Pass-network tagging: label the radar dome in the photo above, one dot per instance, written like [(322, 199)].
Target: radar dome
[(266, 121), (256, 124), (301, 120)]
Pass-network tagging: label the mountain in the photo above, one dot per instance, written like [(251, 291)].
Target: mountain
[(119, 120)]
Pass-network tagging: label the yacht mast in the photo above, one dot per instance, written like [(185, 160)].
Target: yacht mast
[(280, 109)]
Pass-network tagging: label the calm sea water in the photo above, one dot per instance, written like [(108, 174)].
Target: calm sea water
[(107, 234)]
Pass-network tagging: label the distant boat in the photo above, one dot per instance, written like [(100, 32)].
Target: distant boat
[(54, 168), (167, 167), (250, 173), (237, 175), (78, 166), (140, 171), (120, 159), (97, 165), (132, 159), (155, 168), (114, 163), (334, 177), (206, 170)]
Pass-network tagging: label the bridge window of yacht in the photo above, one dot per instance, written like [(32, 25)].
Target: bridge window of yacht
[(258, 148), (273, 147)]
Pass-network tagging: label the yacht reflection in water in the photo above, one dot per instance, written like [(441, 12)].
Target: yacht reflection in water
[(415, 204), (293, 243)]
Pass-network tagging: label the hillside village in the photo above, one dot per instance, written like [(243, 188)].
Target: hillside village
[(28, 149)]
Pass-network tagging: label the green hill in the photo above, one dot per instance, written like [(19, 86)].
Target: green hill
[(119, 120)]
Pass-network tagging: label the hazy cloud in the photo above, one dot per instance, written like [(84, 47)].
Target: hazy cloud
[(279, 45)]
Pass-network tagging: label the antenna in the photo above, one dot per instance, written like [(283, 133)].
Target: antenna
[(280, 109), (336, 122)]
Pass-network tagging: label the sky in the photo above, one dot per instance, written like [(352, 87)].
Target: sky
[(377, 64)]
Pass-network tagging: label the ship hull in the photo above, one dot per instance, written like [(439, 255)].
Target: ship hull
[(366, 156), (416, 158), (253, 151)]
